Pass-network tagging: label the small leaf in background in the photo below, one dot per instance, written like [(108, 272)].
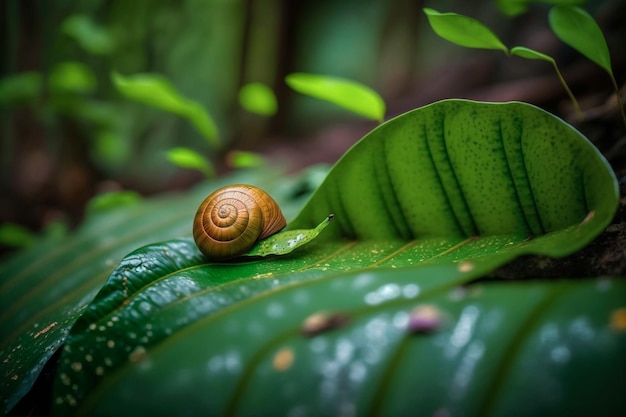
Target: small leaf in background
[(463, 30), (110, 148), (576, 27), (188, 158), (112, 200), (517, 7), (16, 236), (55, 231), (348, 94), (91, 37), (258, 98), (19, 88), (528, 53), (242, 159), (72, 77), (156, 91)]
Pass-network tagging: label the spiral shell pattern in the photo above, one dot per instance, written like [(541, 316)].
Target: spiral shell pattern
[(233, 218)]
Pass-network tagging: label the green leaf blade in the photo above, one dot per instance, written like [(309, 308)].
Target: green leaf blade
[(528, 53), (513, 185), (517, 7), (156, 91), (462, 30), (578, 29), (258, 98), (345, 93), (188, 158), (277, 317)]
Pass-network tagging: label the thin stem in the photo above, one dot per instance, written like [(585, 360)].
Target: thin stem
[(569, 92), (620, 103)]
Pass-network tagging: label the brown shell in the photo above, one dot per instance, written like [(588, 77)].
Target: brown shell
[(233, 218)]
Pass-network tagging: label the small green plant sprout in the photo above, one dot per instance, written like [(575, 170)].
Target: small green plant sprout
[(528, 53), (91, 37), (463, 31), (17, 236), (190, 159), (72, 77), (350, 95), (20, 88), (576, 28), (469, 32), (243, 159), (156, 91), (112, 200), (517, 7), (258, 98)]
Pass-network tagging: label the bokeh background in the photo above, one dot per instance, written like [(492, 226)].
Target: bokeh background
[(68, 135)]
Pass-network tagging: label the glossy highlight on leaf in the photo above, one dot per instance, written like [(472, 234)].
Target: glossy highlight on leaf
[(348, 94), (463, 30)]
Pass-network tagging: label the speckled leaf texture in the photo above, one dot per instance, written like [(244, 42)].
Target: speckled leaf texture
[(382, 314)]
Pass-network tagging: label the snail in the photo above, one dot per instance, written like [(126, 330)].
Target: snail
[(233, 218)]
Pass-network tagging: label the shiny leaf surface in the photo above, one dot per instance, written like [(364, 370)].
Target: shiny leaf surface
[(250, 344)]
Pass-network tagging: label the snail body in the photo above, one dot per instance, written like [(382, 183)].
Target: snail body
[(233, 218)]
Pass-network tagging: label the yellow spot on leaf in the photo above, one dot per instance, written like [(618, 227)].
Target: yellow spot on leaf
[(283, 359), (589, 216), (466, 266), (45, 330), (618, 320)]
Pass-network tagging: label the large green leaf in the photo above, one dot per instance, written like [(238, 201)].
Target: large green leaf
[(453, 181), (472, 174), (432, 163), (162, 338)]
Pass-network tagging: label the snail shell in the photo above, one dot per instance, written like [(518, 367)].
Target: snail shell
[(233, 218)]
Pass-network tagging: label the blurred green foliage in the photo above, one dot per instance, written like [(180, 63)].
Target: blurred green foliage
[(209, 50), (258, 98), (69, 133)]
